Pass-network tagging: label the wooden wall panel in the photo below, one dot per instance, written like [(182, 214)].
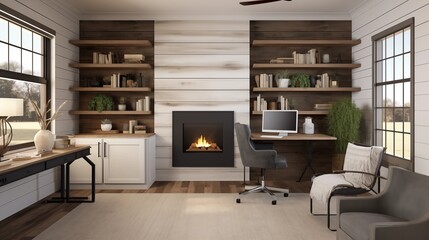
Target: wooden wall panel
[(287, 30), (125, 30), (199, 66)]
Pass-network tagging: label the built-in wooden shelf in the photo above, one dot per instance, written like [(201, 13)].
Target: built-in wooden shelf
[(79, 112), (307, 66), (107, 89), (334, 89), (111, 66), (332, 42), (314, 112), (113, 43)]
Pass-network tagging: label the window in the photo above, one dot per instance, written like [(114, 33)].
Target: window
[(24, 69), (393, 52)]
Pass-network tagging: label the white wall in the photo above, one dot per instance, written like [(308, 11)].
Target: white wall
[(20, 194), (199, 66), (372, 18)]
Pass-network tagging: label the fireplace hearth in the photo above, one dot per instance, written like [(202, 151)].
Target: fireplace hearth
[(203, 139)]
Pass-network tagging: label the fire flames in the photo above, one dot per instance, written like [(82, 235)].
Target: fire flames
[(202, 145), (201, 142)]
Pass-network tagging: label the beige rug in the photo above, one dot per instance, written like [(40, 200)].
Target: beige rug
[(203, 216)]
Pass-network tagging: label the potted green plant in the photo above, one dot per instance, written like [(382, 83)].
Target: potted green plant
[(343, 123), (282, 79), (106, 125), (101, 102), (300, 80)]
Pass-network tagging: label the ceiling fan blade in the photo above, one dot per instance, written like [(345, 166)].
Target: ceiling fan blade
[(248, 3)]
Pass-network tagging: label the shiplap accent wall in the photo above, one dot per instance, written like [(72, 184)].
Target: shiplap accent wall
[(199, 66), (372, 18), (22, 193)]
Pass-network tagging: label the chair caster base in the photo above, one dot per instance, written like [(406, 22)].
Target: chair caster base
[(286, 195), (238, 200), (274, 202)]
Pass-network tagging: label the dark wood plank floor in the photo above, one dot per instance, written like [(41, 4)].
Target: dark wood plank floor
[(33, 220)]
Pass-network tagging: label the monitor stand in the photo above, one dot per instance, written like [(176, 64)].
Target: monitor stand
[(283, 134)]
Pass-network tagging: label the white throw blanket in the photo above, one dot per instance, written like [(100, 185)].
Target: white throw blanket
[(324, 184), (357, 158)]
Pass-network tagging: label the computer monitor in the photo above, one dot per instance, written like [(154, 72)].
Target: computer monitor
[(280, 121)]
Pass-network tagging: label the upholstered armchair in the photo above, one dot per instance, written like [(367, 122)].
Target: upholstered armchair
[(400, 212)]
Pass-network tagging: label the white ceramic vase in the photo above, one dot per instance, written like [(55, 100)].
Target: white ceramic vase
[(106, 127), (283, 82), (44, 141)]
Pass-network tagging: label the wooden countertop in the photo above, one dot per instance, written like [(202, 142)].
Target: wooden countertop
[(16, 164), (111, 135), (294, 137)]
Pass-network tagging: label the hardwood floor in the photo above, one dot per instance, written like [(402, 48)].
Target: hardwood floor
[(31, 221)]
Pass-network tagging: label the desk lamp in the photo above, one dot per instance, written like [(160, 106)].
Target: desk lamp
[(8, 107)]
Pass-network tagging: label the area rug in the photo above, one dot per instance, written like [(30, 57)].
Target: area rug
[(193, 216)]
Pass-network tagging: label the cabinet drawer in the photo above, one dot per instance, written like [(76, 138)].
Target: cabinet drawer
[(21, 173)]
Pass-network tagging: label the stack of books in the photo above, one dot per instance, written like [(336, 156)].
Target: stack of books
[(143, 104), (140, 129), (264, 80)]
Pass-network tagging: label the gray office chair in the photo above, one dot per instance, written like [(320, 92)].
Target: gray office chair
[(399, 212), (264, 159)]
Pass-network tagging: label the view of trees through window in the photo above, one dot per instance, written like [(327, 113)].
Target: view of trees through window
[(22, 54), (393, 92)]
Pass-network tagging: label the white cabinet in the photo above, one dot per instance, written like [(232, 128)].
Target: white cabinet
[(80, 171), (118, 160)]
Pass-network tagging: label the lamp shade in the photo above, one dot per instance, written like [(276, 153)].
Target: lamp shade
[(11, 107)]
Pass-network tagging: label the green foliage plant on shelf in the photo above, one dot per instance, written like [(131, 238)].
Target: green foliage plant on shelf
[(106, 121), (282, 79), (101, 102), (300, 80), (343, 123)]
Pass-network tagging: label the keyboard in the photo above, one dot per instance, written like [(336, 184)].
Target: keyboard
[(271, 136)]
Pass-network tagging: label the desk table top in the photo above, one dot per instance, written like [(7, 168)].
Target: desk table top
[(17, 164), (293, 137)]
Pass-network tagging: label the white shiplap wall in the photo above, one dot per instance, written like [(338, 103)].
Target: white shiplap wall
[(199, 66), (372, 18), (20, 194)]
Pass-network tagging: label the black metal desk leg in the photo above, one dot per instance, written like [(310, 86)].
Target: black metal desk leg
[(92, 178), (81, 199), (62, 186), (308, 158)]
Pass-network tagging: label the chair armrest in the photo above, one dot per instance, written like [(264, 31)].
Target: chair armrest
[(352, 171), (358, 204), (416, 229), (263, 146)]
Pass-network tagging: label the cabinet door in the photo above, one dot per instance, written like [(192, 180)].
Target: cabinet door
[(124, 160), (80, 170)]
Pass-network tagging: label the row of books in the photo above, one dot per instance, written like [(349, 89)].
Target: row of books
[(311, 57), (115, 80), (104, 58), (260, 104), (143, 104), (264, 80)]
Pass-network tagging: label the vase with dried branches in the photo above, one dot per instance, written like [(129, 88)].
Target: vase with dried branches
[(44, 139)]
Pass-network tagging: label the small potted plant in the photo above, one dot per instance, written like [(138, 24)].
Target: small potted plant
[(300, 80), (282, 79), (101, 102), (106, 125), (121, 105)]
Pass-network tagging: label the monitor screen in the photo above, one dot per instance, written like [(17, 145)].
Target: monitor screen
[(280, 121)]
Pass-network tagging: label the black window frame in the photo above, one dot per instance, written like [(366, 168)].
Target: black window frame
[(388, 158), (48, 34)]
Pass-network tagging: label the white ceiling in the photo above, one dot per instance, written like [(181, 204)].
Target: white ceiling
[(165, 8)]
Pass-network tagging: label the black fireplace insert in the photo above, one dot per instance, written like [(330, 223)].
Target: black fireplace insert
[(203, 139)]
